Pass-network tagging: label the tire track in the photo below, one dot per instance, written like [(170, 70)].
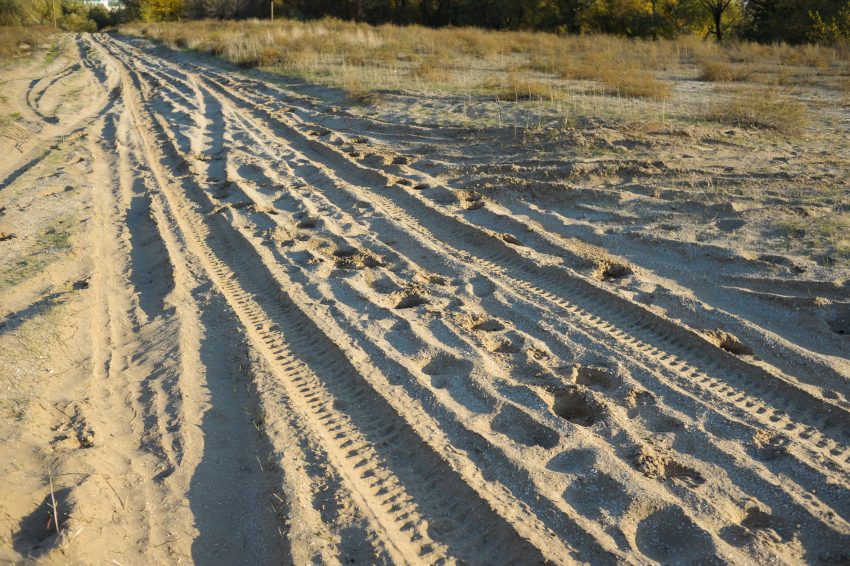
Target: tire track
[(685, 365), (834, 500), (370, 436), (255, 125), (773, 402)]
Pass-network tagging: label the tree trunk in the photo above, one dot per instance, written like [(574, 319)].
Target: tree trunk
[(718, 29)]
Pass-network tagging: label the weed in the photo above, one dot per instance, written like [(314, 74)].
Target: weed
[(19, 407), (792, 229), (364, 97), (632, 83), (539, 79)]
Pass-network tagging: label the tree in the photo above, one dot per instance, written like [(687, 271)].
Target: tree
[(793, 21), (716, 9)]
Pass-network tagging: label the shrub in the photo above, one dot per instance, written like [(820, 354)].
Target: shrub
[(101, 17), (17, 12), (270, 56), (76, 22), (363, 97)]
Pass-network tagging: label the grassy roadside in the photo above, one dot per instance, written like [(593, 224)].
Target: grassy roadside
[(21, 42), (558, 78)]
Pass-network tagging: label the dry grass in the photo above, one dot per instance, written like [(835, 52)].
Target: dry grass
[(431, 72), (518, 89), (723, 71), (20, 41), (770, 109), (306, 45), (563, 76), (633, 83)]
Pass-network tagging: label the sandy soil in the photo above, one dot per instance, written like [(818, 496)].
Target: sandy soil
[(245, 326)]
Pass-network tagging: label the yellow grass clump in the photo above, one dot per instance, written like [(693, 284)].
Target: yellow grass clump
[(769, 109)]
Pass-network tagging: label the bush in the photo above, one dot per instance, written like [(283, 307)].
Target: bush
[(76, 22), (518, 89), (633, 83)]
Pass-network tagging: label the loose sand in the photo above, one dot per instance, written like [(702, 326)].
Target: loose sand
[(242, 325)]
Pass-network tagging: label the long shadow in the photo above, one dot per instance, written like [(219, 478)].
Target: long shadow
[(151, 271), (232, 491), (232, 498), (41, 306)]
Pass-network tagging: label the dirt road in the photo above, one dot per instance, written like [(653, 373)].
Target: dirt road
[(291, 334)]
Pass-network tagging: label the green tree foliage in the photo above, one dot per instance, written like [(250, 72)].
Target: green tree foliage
[(634, 18), (642, 18), (17, 12), (834, 31), (791, 21), (794, 21), (160, 10), (71, 15)]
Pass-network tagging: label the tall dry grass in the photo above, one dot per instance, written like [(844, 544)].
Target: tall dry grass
[(570, 75), (20, 41)]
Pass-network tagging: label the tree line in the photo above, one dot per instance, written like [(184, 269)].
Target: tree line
[(790, 21)]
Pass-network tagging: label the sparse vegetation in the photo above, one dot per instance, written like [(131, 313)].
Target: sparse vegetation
[(28, 342), (42, 253)]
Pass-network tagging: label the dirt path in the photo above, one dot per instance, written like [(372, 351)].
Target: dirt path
[(287, 337)]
